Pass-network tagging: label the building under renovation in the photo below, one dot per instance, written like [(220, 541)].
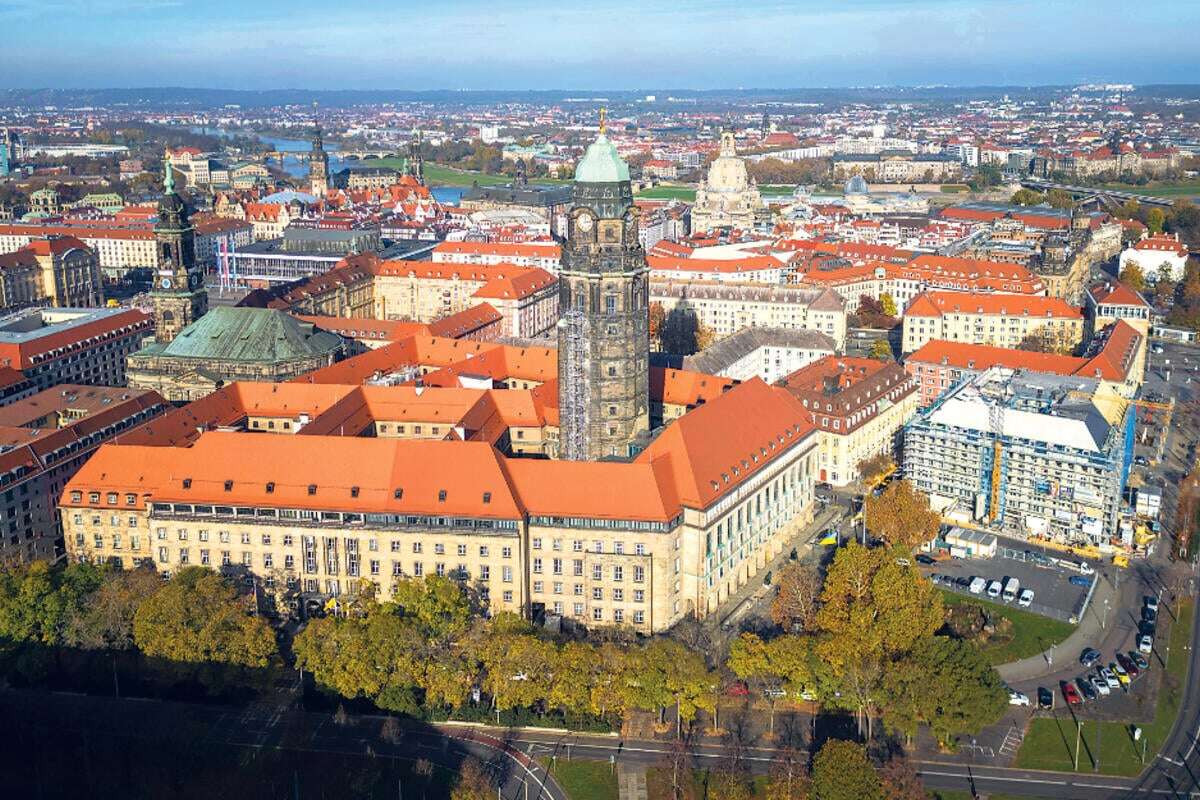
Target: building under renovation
[(1026, 454)]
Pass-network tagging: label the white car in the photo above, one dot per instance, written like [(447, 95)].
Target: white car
[(1101, 686), (993, 589), (1110, 678), (1026, 598), (1145, 644), (1016, 698), (1085, 568)]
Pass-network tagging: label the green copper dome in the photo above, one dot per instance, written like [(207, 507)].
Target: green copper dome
[(601, 164)]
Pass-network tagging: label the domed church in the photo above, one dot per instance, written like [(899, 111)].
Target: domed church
[(728, 197)]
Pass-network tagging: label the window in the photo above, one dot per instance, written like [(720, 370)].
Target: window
[(441, 495), (462, 549), (538, 587), (618, 595), (577, 546), (507, 595), (537, 566), (598, 614), (639, 596), (558, 587), (639, 574), (418, 569), (203, 535), (597, 572), (597, 593), (506, 574), (439, 549), (639, 617), (162, 555), (577, 568), (578, 609), (245, 537), (577, 590), (182, 534), (556, 566), (225, 558), (485, 572), (268, 560), (618, 572), (618, 615), (204, 558), (416, 546), (536, 543), (506, 552), (223, 536), (483, 551)]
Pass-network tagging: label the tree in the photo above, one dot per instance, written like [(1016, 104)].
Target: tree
[(658, 317), (873, 611), (1155, 219), (105, 622), (873, 469), (1039, 341), (795, 605), (473, 781), (705, 336), (881, 350), (439, 605), (789, 776), (197, 618), (970, 694), (1027, 197), (518, 670), (574, 672), (38, 601), (1133, 277), (1057, 198), (378, 656), (901, 516), (842, 771), (888, 304), (900, 780)]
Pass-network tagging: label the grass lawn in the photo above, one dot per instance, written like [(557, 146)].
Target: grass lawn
[(1050, 743), (1185, 189), (1032, 633), (955, 188), (668, 193), (586, 780)]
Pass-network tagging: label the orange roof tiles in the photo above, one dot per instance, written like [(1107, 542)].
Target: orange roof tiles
[(686, 388), (728, 440), (522, 249), (936, 304), (1115, 293), (595, 489)]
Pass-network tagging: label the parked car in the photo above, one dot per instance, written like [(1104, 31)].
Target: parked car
[(1110, 678), (1141, 461), (1101, 686), (1152, 602), (1026, 598), (1146, 628), (1016, 698), (1086, 688), (1089, 657), (994, 589), (1070, 693), (1045, 697), (1120, 673), (1128, 665), (962, 583), (1150, 615), (1079, 580), (737, 689), (925, 559), (977, 584), (1145, 644), (1012, 587)]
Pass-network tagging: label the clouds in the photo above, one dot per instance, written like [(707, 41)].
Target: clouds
[(619, 44)]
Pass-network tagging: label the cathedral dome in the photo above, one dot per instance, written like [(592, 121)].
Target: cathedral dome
[(601, 164)]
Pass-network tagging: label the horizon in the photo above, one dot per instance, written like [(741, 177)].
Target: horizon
[(713, 45)]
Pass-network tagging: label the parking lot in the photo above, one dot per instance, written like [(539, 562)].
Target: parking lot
[(1054, 595)]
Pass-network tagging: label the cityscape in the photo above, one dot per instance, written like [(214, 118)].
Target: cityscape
[(438, 405)]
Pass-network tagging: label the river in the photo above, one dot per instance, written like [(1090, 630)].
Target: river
[(297, 165)]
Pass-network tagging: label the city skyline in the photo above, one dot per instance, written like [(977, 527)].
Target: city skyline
[(716, 44)]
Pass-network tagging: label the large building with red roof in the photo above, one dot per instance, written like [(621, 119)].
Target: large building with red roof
[(1160, 256), (1003, 320)]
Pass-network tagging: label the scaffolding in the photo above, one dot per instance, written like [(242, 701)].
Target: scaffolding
[(575, 389)]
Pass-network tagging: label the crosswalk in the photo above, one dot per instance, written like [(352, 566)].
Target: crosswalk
[(1012, 742)]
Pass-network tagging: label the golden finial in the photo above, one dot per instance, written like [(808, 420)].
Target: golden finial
[(603, 124)]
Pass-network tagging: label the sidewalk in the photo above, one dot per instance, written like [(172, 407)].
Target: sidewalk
[(1087, 633)]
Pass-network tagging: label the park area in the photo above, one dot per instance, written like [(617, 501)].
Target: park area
[(1015, 634), (1050, 742)]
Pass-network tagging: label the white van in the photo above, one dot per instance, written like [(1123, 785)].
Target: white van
[(1011, 587), (993, 589), (977, 585)]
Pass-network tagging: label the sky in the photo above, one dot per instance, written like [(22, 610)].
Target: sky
[(583, 44)]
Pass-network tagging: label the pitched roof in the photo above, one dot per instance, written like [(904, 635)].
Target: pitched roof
[(723, 443), (936, 304), (264, 335), (595, 489), (1117, 294)]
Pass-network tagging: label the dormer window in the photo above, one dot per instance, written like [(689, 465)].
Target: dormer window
[(487, 497), (187, 483), (354, 491), (398, 494), (270, 487), (229, 486), (312, 488), (441, 495)]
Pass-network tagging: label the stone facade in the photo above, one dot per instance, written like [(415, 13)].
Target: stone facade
[(604, 335), (179, 297), (728, 196)]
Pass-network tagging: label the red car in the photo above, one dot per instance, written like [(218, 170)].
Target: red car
[(1070, 694), (737, 689)]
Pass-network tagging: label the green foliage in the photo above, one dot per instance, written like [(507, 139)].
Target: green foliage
[(1155, 219), (1057, 198), (196, 618), (1133, 277), (440, 606), (39, 602), (970, 693), (881, 350), (842, 771), (1027, 197)]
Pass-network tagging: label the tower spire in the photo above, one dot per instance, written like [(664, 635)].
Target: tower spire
[(168, 175), (603, 120)]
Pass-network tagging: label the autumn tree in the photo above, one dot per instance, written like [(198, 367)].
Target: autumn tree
[(900, 781), (1133, 277), (881, 350), (970, 692), (1058, 198), (518, 670), (439, 606), (575, 670), (197, 618), (1155, 219), (105, 621), (873, 610), (795, 605), (658, 317), (1027, 197), (872, 469), (901, 516), (788, 778), (39, 601), (842, 771), (473, 782), (888, 304)]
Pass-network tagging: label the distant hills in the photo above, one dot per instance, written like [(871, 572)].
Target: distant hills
[(166, 98)]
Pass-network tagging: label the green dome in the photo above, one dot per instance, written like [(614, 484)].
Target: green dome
[(601, 164)]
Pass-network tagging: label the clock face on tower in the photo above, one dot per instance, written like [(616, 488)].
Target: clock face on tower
[(585, 222), (165, 283)]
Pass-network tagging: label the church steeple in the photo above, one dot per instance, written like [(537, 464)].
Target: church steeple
[(178, 295), (603, 336), (318, 160)]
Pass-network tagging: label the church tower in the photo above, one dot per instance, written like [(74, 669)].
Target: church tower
[(318, 161), (179, 297), (604, 329)]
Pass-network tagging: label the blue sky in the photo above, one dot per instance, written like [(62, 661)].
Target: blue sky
[(634, 44)]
